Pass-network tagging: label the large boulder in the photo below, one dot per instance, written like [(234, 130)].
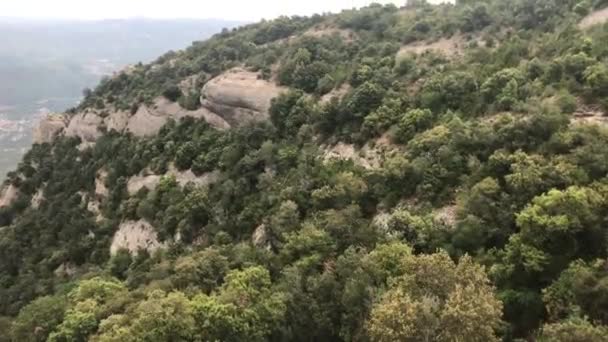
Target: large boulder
[(48, 128), (240, 96)]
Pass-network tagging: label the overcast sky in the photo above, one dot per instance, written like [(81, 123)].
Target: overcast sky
[(248, 10)]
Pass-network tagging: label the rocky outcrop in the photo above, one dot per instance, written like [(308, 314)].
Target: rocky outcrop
[(150, 181), (148, 120), (37, 199), (261, 237), (8, 195), (367, 157), (234, 98), (85, 125), (117, 121), (240, 96), (48, 128), (100, 184), (135, 235), (594, 18), (137, 183)]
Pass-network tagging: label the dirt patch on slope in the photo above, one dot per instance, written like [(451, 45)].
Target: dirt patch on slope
[(589, 114), (453, 46), (594, 18), (337, 93), (328, 31)]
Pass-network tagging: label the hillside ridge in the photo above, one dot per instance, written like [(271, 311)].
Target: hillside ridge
[(378, 174)]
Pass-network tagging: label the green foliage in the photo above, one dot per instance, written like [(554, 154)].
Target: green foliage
[(38, 319), (573, 330), (172, 93), (436, 299), (319, 223)]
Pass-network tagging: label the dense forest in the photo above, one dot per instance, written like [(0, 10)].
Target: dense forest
[(482, 216)]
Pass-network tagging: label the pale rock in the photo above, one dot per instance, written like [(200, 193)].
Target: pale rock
[(260, 237), (117, 121), (240, 96), (100, 184), (135, 235), (48, 128), (594, 18), (85, 125), (37, 199), (151, 181), (8, 195)]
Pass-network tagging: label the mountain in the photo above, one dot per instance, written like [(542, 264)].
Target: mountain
[(45, 65), (424, 173)]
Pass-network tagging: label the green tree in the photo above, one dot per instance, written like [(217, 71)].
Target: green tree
[(437, 299), (38, 319)]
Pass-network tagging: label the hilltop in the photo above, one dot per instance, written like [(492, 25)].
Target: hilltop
[(424, 173), (45, 65)]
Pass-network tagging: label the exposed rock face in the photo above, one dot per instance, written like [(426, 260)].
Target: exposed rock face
[(37, 199), (261, 238), (234, 98), (240, 96), (117, 121), (100, 184), (594, 18), (150, 182), (48, 128), (85, 125), (8, 195), (65, 270), (447, 215), (147, 121), (135, 235), (137, 183), (366, 157)]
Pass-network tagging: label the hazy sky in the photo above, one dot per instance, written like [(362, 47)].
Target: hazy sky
[(225, 9)]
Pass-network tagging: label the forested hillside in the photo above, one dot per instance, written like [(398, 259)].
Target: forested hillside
[(425, 173)]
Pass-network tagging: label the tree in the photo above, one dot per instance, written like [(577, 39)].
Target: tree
[(161, 317), (573, 330), (204, 270), (582, 289), (244, 309), (436, 299), (38, 319), (172, 93), (414, 121), (596, 78), (504, 88)]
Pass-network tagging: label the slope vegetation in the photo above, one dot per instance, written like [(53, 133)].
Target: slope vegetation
[(383, 174)]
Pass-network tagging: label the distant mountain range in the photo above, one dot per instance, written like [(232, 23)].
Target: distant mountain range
[(45, 64)]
